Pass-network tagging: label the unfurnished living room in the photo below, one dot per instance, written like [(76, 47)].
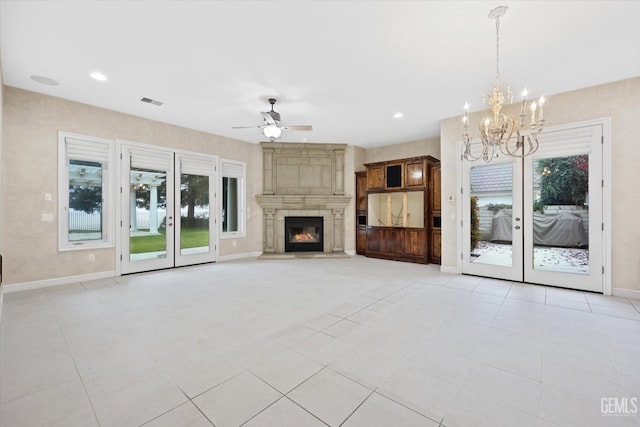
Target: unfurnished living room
[(319, 213)]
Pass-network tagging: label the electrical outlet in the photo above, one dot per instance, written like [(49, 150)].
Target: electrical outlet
[(92, 257), (47, 217)]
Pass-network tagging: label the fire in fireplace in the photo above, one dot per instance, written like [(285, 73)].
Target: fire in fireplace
[(303, 234)]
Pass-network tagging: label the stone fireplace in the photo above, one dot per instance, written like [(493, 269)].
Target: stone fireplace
[(303, 180)]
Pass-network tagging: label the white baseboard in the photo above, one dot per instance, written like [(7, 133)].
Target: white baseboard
[(626, 293), (39, 284), (239, 256), (350, 253), (445, 269)]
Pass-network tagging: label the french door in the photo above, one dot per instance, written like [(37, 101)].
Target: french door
[(167, 202), (538, 219)]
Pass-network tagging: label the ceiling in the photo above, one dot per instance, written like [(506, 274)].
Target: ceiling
[(345, 67)]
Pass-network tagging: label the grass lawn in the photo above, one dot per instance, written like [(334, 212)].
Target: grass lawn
[(191, 238)]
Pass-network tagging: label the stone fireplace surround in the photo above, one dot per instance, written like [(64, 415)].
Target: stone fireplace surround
[(303, 180)]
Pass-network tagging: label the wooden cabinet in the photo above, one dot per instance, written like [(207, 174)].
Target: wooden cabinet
[(361, 213), (435, 236), (375, 178), (396, 243), (435, 188), (395, 214), (361, 192), (415, 174)]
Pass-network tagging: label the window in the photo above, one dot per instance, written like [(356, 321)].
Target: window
[(233, 199), (85, 218)]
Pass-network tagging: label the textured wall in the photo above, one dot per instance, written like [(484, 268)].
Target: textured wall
[(30, 142), (421, 147), (1, 175), (619, 101)]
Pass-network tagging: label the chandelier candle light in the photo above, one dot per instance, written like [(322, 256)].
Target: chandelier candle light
[(501, 133)]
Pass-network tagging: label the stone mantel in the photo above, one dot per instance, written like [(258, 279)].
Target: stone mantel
[(302, 202), (303, 179)]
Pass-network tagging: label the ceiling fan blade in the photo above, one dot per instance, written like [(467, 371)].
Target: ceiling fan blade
[(298, 127), (247, 127)]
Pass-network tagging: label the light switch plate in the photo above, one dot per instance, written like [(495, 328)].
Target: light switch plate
[(47, 197)]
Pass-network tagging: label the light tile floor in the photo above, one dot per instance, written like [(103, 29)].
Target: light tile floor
[(316, 342)]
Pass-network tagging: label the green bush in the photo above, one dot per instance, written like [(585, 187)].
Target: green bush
[(563, 180), (475, 223)]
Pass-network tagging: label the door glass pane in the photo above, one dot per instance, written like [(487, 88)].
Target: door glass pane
[(194, 214), (490, 214), (561, 214), (229, 204), (85, 200), (147, 204)]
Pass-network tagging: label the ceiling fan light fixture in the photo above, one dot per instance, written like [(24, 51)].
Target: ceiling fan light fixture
[(272, 132)]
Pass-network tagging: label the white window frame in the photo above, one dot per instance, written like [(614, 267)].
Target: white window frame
[(234, 169), (105, 147)]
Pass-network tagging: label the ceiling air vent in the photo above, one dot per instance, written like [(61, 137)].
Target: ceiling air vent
[(151, 101)]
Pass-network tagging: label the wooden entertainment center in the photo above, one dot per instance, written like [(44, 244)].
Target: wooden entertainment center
[(398, 210)]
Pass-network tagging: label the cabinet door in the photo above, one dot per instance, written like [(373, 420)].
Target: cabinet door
[(361, 192), (375, 178), (415, 174), (436, 201), (436, 243), (414, 242), (361, 240)]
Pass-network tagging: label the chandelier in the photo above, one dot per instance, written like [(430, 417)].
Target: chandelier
[(502, 133)]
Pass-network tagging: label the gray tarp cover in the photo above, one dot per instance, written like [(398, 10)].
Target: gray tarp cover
[(563, 230)]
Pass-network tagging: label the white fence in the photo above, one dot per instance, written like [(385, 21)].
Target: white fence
[(82, 221)]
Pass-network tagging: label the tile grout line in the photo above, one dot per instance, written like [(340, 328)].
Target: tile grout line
[(356, 408), (381, 393), (305, 409)]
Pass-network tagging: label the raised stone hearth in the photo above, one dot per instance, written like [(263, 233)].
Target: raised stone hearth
[(303, 180)]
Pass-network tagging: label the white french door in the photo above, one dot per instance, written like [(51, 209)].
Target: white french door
[(167, 199), (538, 219), (196, 224), (497, 250)]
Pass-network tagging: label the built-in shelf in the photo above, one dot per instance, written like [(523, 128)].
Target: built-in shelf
[(396, 213)]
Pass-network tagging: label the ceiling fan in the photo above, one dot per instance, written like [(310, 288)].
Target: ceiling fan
[(272, 128)]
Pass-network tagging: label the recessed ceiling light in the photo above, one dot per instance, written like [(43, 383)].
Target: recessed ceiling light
[(398, 115), (98, 76), (44, 80)]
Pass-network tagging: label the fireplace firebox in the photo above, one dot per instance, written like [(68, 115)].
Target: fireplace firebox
[(303, 234)]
